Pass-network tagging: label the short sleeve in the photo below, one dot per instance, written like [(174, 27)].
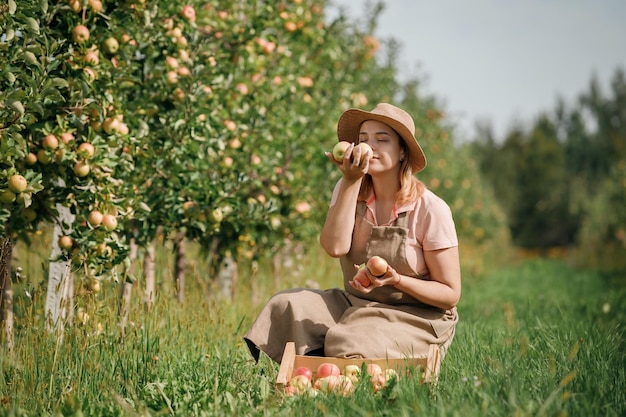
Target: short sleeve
[(435, 224)]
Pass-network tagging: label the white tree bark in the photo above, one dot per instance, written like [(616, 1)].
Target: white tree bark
[(59, 299)]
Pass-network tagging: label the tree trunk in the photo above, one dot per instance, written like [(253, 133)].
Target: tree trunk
[(60, 295), (149, 275), (6, 290), (227, 277), (126, 290), (179, 266)]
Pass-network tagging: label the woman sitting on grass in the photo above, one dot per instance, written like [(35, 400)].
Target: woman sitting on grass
[(378, 208)]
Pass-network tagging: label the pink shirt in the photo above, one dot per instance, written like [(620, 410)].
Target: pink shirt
[(430, 224)]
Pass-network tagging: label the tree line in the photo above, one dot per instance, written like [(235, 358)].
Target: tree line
[(562, 180)]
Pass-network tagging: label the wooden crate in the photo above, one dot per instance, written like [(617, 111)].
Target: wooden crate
[(429, 366)]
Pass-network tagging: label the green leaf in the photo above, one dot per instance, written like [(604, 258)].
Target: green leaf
[(44, 6), (57, 82), (12, 7), (17, 106)]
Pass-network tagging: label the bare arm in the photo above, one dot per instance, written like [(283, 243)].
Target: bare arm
[(444, 288), (336, 236)]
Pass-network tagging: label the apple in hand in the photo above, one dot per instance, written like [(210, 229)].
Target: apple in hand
[(339, 150), (327, 369), (366, 151), (377, 266), (362, 278)]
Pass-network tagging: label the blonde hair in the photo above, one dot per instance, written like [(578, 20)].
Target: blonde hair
[(410, 187)]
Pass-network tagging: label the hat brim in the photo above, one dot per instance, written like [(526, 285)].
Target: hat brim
[(349, 125)]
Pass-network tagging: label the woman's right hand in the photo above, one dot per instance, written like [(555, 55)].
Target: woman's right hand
[(353, 166)]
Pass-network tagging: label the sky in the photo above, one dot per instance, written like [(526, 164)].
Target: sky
[(503, 61)]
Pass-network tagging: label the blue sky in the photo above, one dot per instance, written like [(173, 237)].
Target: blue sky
[(502, 60)]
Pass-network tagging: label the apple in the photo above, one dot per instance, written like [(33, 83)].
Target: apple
[(344, 386), (301, 383), (362, 278), (76, 5), (65, 242), (390, 374), (17, 183), (171, 62), (95, 218), (365, 151), (109, 222), (29, 214), (230, 125), (303, 370), (377, 377), (189, 13), (7, 197), (326, 384), (339, 150), (67, 137), (31, 159), (377, 266), (110, 125), (327, 369), (87, 149), (111, 45), (81, 169), (216, 215), (96, 5), (92, 58), (352, 372), (80, 34), (43, 157), (50, 142)]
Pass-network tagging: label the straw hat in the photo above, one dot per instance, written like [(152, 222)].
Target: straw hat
[(350, 123)]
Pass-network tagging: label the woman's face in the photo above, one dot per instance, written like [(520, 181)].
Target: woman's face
[(385, 143)]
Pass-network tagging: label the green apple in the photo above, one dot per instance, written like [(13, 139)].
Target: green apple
[(352, 372), (339, 150)]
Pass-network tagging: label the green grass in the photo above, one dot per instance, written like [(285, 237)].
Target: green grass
[(535, 339)]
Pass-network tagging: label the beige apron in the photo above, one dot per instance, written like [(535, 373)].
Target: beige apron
[(384, 323)]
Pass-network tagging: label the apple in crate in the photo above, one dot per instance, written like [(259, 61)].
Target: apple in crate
[(327, 369), (298, 385), (352, 372), (303, 370), (377, 377)]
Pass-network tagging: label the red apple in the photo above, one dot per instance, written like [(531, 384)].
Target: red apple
[(339, 150), (377, 377), (92, 58), (96, 5), (65, 242), (80, 34), (303, 370), (67, 137), (377, 266), (327, 369), (109, 222), (17, 183), (95, 218), (50, 142), (362, 278), (189, 13), (87, 150)]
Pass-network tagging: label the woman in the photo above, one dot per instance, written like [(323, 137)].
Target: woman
[(378, 208)]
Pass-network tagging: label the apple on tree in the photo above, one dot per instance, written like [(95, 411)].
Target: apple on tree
[(109, 222), (17, 183), (80, 34)]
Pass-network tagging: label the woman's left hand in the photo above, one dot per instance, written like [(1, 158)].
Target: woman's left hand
[(363, 276)]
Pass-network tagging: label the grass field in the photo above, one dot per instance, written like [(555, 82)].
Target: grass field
[(537, 338)]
